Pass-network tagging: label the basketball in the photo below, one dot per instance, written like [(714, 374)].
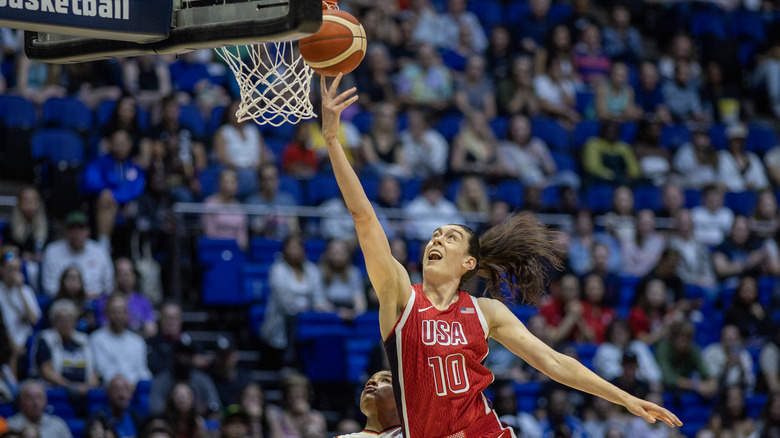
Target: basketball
[(338, 47)]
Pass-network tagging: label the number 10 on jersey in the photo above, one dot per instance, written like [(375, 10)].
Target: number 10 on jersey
[(449, 374)]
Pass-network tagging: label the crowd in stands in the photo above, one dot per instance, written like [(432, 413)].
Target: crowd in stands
[(644, 131)]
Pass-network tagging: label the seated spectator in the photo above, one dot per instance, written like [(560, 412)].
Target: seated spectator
[(765, 79), (342, 281), (499, 53), (643, 252), (681, 96), (296, 286), (596, 314), (253, 402), (729, 417), (615, 97), (125, 117), (117, 350), (622, 41), (141, 318), (228, 376), (118, 416), (31, 416), (527, 157), (602, 418), (336, 222), (711, 221), (383, 151), (620, 221), (147, 78), (37, 81), (772, 163), (374, 79), (116, 181), (680, 51), (741, 254), (557, 44), (769, 362), (429, 210), (559, 414), (695, 264), (639, 428), (72, 289), (516, 94), (296, 418), (425, 83), (748, 315), (235, 423), (299, 159), (769, 423), (682, 367), (160, 346), (63, 357), (505, 405), (389, 196), (563, 312), (269, 195), (30, 231), (719, 97), (601, 256), (475, 149), (474, 91), (93, 82), (8, 382), (650, 319), (738, 169), (610, 356), (472, 196), (628, 380), (192, 80), (456, 15), (349, 137), (697, 161), (425, 150), (182, 412), (240, 146), (607, 159), (672, 200), (226, 220), (654, 160), (666, 271), (590, 61), (765, 221), (18, 305), (729, 361), (557, 94), (583, 242), (506, 365), (648, 95)]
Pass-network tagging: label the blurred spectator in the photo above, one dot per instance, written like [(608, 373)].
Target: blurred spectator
[(615, 97), (374, 79), (296, 287), (475, 148), (557, 45), (32, 404), (229, 378), (506, 365), (681, 363), (336, 222), (601, 255), (622, 41), (226, 219), (72, 289), (99, 428), (235, 423), (299, 159), (63, 357), (648, 95), (183, 370), (772, 163), (30, 231), (8, 384), (182, 412), (563, 312), (590, 61), (117, 350), (639, 428), (515, 93), (748, 315), (765, 221), (38, 81), (474, 92), (602, 418), (583, 242), (382, 147), (472, 196), (730, 415), (160, 346), (427, 23), (741, 254), (672, 200), (765, 79), (654, 160), (719, 97), (769, 423), (681, 96), (94, 82), (269, 195), (607, 159), (651, 317), (342, 281), (125, 117), (695, 264), (619, 221), (643, 252), (253, 402), (666, 271), (296, 418), (499, 53), (729, 361), (499, 211), (17, 304), (118, 416), (524, 424), (156, 424), (240, 146), (582, 15), (429, 210), (349, 137), (457, 16), (595, 312), (711, 221), (557, 93), (534, 27), (456, 57), (141, 315), (426, 82), (425, 149), (191, 79), (769, 362), (380, 22), (679, 51), (147, 78), (525, 156), (559, 419), (738, 169), (618, 348), (389, 196)]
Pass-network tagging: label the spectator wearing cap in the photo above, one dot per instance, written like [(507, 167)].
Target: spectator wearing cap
[(77, 249), (32, 404), (205, 393), (229, 379), (140, 310), (235, 423), (738, 169), (118, 351), (160, 346), (19, 308), (117, 415)]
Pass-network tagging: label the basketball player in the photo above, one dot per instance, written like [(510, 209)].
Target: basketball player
[(435, 334), (377, 403)]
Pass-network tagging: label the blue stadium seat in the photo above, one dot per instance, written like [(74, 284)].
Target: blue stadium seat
[(370, 186), (747, 25), (718, 136), (741, 203), (209, 179), (647, 197), (673, 136), (559, 12), (564, 161), (599, 198), (276, 145), (104, 112), (7, 410), (766, 290), (527, 394), (96, 399), (358, 356), (76, 426), (760, 138), (321, 187), (584, 131), (366, 326), (215, 118), (692, 198), (58, 401), (190, 117), (67, 113), (292, 186), (362, 121), (313, 324), (511, 192), (314, 249), (410, 188), (56, 145), (140, 402), (586, 102), (285, 131), (449, 126), (517, 11), (551, 196), (17, 112), (499, 125), (708, 23), (522, 312), (585, 352), (628, 132), (551, 132), (255, 282), (264, 250), (256, 317), (627, 291), (451, 191), (755, 403), (489, 12), (746, 52), (223, 261)]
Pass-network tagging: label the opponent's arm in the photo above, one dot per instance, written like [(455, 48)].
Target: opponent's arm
[(389, 278), (509, 331)]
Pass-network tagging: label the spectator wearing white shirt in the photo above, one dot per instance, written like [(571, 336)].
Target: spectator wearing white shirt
[(738, 169), (697, 161), (17, 303), (457, 16), (695, 266), (557, 93), (425, 150), (607, 361), (430, 210), (32, 404), (117, 350), (711, 221), (729, 361), (76, 248), (772, 164)]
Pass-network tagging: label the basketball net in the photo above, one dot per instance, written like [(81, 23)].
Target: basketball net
[(273, 79)]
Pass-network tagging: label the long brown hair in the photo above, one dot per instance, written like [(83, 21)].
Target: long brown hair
[(514, 255)]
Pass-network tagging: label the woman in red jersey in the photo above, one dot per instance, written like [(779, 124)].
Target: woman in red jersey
[(435, 334)]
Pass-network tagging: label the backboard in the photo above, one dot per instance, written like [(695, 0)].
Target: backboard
[(194, 24)]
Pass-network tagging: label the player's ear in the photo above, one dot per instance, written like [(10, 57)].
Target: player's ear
[(470, 263)]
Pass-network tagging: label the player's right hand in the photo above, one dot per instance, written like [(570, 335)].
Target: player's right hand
[(333, 105)]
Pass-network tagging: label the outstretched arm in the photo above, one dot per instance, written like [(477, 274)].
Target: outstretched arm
[(509, 331), (389, 279)]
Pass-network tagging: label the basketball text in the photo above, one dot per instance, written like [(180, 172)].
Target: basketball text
[(115, 9), (442, 333)]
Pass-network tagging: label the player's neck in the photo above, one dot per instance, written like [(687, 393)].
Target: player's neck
[(381, 422), (441, 295)]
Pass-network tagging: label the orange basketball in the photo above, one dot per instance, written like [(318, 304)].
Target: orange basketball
[(339, 45)]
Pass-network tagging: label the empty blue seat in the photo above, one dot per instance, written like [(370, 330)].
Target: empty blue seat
[(223, 261), (524, 313), (564, 161), (66, 113), (366, 326), (264, 250), (559, 12), (314, 248), (551, 132), (276, 145), (362, 121), (96, 399), (410, 188), (628, 132), (313, 324), (499, 125), (140, 402), (747, 25), (766, 289), (585, 352), (209, 180), (256, 317), (718, 136), (692, 198), (647, 197), (742, 203), (255, 281), (584, 131), (292, 186), (672, 136), (370, 186), (104, 112), (321, 187), (599, 197), (627, 291), (510, 192), (17, 112), (708, 23), (517, 11), (760, 138), (586, 102), (285, 131), (76, 426), (489, 12), (190, 117), (56, 145), (551, 197), (358, 357), (449, 126)]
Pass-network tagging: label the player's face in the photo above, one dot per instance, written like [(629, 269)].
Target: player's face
[(447, 252), (377, 396)]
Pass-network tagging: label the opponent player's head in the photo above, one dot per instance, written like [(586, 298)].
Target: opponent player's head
[(377, 401)]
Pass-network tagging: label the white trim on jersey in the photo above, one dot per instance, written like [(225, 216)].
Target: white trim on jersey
[(390, 433), (399, 352), (511, 431), (481, 316)]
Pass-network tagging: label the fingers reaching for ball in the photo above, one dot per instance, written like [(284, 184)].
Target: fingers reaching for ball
[(333, 106)]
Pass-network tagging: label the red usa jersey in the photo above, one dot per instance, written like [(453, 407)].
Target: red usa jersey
[(436, 358)]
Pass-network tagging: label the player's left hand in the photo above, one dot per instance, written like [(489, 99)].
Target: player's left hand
[(652, 412)]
